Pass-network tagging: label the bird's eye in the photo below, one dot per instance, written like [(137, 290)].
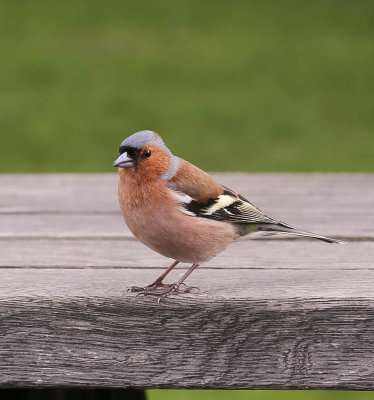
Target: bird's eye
[(147, 153)]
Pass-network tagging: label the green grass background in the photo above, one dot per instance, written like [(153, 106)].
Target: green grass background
[(257, 395), (230, 85)]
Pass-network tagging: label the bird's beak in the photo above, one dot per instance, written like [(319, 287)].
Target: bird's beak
[(124, 161)]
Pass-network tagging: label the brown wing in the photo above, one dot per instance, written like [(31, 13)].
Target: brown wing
[(194, 182)]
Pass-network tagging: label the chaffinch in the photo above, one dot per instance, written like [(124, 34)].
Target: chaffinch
[(180, 211)]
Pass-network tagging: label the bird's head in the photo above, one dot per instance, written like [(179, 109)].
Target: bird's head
[(146, 154)]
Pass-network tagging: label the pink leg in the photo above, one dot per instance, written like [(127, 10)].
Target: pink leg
[(157, 283), (172, 288)]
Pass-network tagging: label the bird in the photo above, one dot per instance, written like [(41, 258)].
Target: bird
[(181, 212)]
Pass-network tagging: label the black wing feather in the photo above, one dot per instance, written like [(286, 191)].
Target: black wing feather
[(229, 207)]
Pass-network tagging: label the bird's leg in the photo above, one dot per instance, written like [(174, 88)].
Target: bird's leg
[(175, 287), (157, 283)]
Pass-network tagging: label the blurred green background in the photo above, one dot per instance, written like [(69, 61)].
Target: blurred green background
[(257, 395), (230, 85)]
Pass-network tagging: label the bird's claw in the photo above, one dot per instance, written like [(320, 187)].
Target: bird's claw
[(153, 287), (191, 289), (154, 290)]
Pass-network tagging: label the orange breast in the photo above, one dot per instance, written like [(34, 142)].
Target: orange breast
[(154, 216)]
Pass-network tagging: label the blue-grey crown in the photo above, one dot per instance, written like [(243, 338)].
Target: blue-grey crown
[(144, 138)]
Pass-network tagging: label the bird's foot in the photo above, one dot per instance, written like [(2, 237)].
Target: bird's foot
[(149, 289), (171, 288), (177, 289)]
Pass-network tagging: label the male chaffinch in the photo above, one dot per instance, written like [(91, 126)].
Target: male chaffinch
[(179, 211)]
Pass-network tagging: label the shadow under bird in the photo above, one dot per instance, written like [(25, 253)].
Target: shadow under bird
[(180, 211)]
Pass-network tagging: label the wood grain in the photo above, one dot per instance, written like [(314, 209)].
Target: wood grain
[(119, 253), (112, 225), (270, 314), (256, 329), (98, 192), (78, 205), (219, 284)]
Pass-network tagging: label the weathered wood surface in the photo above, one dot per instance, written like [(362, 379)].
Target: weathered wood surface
[(269, 314), (86, 205), (86, 330), (119, 253)]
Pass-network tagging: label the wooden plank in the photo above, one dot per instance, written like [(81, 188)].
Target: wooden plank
[(58, 193), (219, 284), (63, 226), (109, 253), (98, 192), (112, 226), (347, 227), (270, 314), (249, 329), (312, 202)]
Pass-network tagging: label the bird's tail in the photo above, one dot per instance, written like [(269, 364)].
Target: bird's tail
[(281, 228)]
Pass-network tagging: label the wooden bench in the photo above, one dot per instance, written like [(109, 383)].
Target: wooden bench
[(270, 314)]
